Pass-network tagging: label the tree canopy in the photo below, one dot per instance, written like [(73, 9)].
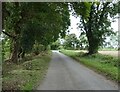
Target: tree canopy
[(94, 21), (27, 23), (32, 24)]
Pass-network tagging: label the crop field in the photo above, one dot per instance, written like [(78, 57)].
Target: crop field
[(111, 53)]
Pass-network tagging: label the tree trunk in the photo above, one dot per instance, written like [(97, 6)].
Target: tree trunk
[(45, 48), (23, 55), (93, 47), (93, 43), (14, 56)]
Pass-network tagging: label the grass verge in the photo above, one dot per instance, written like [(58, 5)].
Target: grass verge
[(105, 64), (27, 75)]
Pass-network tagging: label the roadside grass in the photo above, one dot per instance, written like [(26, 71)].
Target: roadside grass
[(105, 64), (108, 49), (26, 75)]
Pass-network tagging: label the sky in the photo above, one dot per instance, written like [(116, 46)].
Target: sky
[(75, 20)]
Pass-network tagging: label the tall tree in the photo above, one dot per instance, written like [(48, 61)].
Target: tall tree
[(70, 41), (11, 23), (94, 21), (27, 23)]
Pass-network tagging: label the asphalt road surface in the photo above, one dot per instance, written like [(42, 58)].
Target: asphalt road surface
[(65, 73)]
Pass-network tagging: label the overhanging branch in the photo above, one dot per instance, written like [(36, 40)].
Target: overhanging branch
[(8, 34)]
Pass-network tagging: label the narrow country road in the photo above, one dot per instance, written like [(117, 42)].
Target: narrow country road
[(65, 73)]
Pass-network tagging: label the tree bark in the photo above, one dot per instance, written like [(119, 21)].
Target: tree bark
[(14, 56), (23, 55), (93, 43)]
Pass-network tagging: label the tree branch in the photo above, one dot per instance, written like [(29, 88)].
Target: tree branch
[(8, 34), (103, 12)]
